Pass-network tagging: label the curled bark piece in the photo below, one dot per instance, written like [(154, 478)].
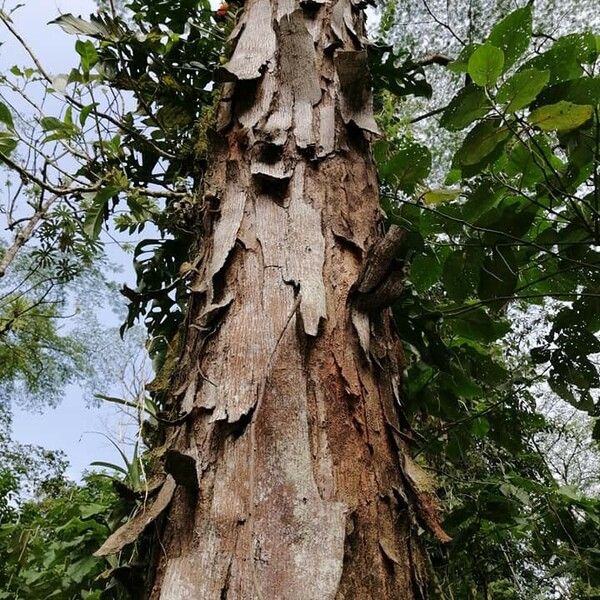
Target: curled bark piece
[(256, 45), (182, 467), (279, 121), (129, 533), (211, 314), (337, 20), (326, 128), (427, 505), (362, 326), (226, 230), (379, 259), (267, 163), (388, 551), (255, 99), (270, 172), (285, 7), (356, 101), (298, 58), (224, 112), (383, 295)]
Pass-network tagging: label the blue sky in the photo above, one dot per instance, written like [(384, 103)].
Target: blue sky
[(73, 426)]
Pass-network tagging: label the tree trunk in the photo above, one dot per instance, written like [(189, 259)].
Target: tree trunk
[(288, 381)]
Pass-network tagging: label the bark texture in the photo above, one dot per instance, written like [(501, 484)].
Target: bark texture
[(287, 387)]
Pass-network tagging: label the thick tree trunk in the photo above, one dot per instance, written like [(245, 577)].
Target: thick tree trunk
[(293, 479)]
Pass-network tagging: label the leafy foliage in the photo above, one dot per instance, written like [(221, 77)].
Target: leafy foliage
[(515, 228), (47, 551)]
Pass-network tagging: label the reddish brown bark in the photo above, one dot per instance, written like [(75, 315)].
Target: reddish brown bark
[(289, 375)]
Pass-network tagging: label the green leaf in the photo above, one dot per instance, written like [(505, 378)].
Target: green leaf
[(560, 116), (485, 65), (85, 113), (51, 123), (513, 34), (479, 326), (440, 195), (88, 54), (583, 90), (470, 104), (565, 58), (461, 64), (7, 143), (480, 426), (91, 510), (569, 492), (481, 141), (174, 115), (498, 277), (82, 568), (524, 163), (107, 465), (455, 283), (96, 214), (407, 167), (522, 88), (59, 129), (425, 271), (6, 116)]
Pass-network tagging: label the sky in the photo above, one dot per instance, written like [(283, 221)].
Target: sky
[(73, 426)]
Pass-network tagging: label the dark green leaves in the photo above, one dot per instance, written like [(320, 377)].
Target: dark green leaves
[(512, 35), (88, 54), (477, 324), (97, 213), (47, 551), (6, 116), (396, 72), (470, 104), (522, 234), (498, 277), (565, 58), (7, 143), (57, 129), (407, 166), (522, 89), (481, 141), (486, 65)]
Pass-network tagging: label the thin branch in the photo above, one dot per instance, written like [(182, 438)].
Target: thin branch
[(75, 102), (442, 24), (25, 234), (509, 236), (431, 113)]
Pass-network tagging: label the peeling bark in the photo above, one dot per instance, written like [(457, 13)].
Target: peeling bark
[(129, 532), (303, 488)]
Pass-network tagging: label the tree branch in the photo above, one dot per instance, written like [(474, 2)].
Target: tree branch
[(25, 234)]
